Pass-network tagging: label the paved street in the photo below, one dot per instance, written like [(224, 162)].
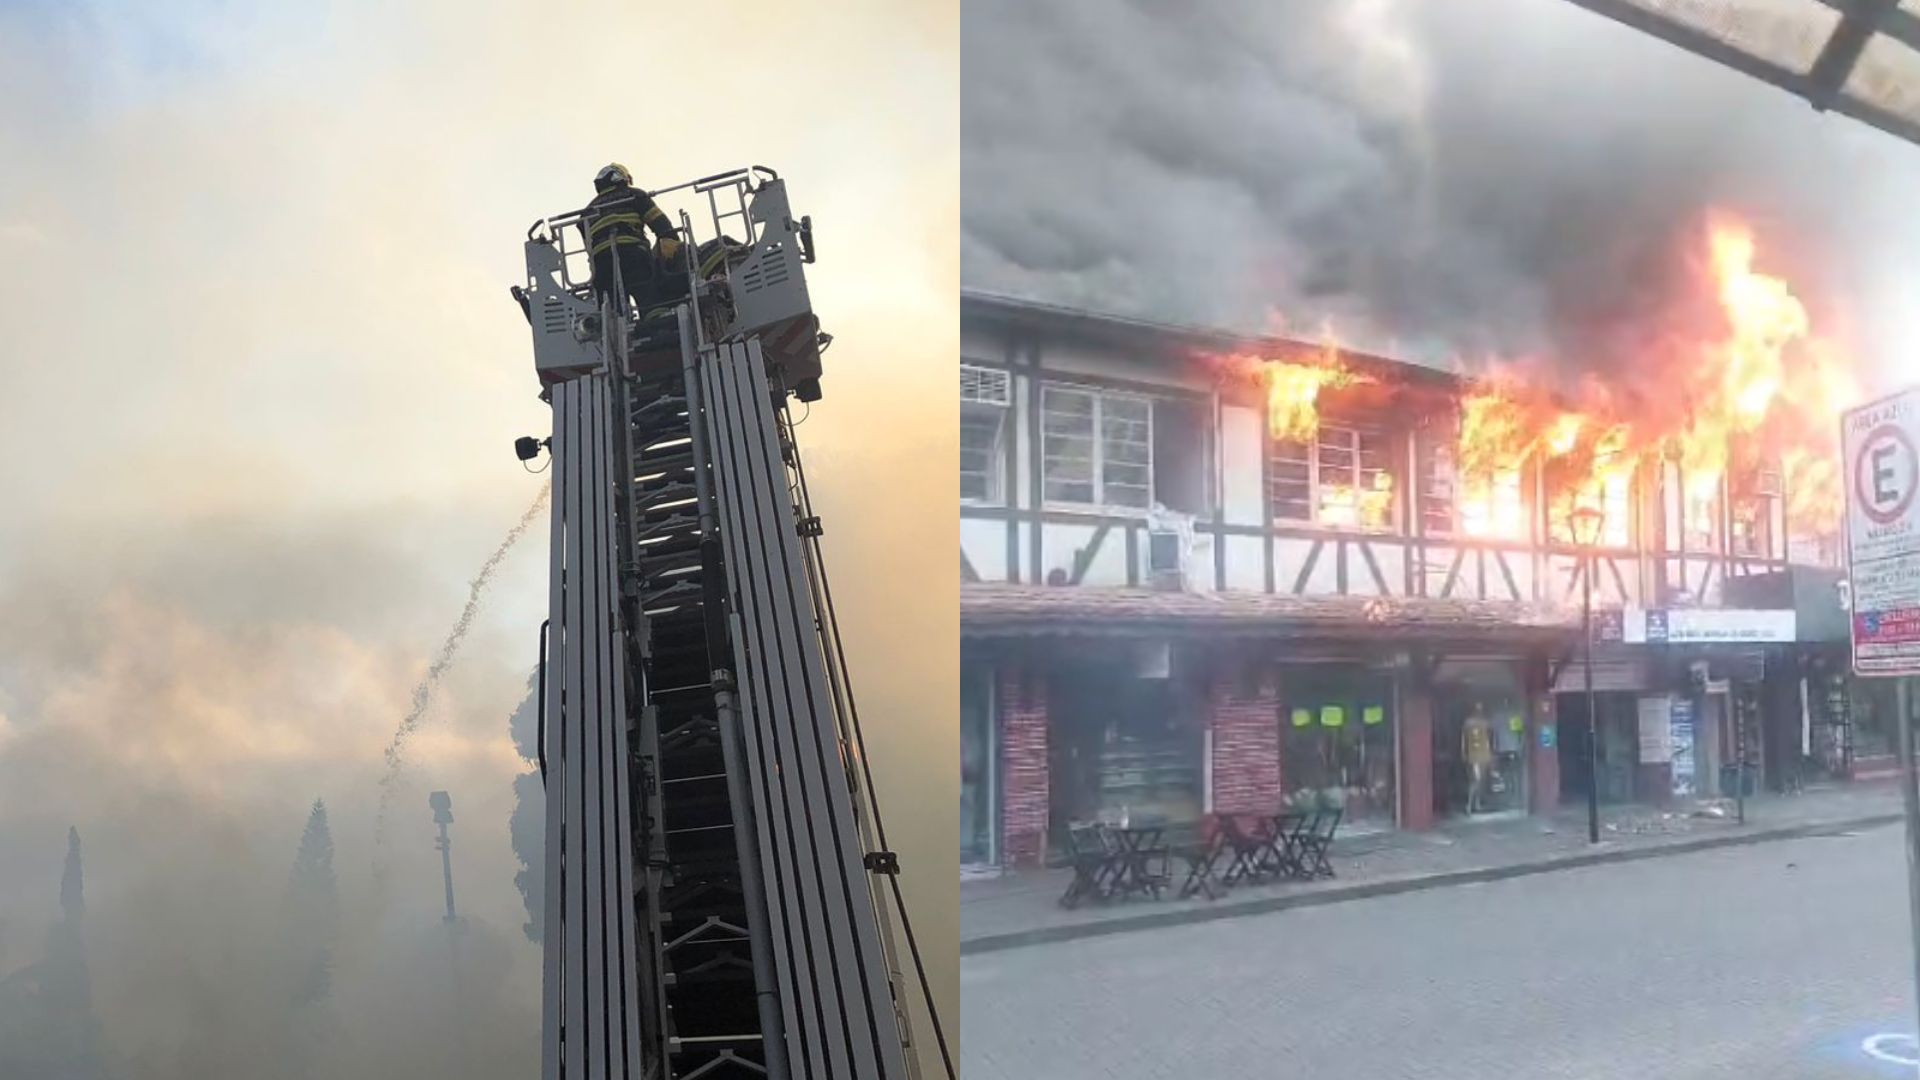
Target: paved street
[(1770, 961)]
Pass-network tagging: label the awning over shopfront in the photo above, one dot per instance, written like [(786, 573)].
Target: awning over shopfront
[(1007, 610)]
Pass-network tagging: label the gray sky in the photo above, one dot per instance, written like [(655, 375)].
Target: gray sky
[(260, 376), (1466, 177)]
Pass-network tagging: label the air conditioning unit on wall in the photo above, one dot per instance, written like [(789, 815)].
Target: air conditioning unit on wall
[(985, 386), (1166, 559)]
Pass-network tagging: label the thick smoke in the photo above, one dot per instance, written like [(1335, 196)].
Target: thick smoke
[(1438, 180)]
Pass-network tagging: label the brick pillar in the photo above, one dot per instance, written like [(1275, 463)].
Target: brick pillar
[(1243, 710), (1416, 753), (1543, 728), (1024, 809)]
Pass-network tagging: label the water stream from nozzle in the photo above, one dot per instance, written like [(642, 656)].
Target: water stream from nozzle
[(423, 691)]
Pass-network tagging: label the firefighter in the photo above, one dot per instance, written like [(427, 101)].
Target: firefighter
[(613, 224)]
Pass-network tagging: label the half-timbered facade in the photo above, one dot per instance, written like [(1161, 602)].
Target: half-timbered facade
[(1298, 614)]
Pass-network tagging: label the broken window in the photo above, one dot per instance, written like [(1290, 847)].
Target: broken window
[(1180, 442), (1341, 476), (1096, 447)]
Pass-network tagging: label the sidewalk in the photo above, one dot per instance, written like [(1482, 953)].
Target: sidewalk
[(1019, 909)]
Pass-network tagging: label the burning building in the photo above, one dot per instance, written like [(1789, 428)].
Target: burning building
[(1205, 573)]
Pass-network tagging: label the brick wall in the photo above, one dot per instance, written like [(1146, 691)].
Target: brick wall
[(1022, 711), (1244, 711)]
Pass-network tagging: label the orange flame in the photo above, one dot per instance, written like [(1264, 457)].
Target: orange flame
[(1293, 388), (1757, 384)]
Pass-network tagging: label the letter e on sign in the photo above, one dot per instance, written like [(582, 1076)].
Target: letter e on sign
[(1884, 474)]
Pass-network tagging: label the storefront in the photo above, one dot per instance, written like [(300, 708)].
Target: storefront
[(1622, 677), (1337, 742), (1171, 708), (1874, 726), (1479, 739), (1128, 739)]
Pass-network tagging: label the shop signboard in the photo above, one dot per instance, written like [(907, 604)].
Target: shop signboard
[(1656, 734), (1680, 718), (1878, 444), (1708, 626)]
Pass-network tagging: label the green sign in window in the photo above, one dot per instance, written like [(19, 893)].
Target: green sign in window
[(1302, 717), (1373, 714), (1333, 716), (1516, 723)]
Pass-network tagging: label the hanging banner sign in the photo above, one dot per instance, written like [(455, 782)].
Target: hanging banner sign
[(1656, 733), (1708, 626)]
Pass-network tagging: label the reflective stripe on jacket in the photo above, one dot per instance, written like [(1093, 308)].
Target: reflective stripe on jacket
[(618, 215)]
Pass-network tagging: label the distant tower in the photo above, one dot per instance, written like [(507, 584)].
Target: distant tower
[(442, 805), (71, 903)]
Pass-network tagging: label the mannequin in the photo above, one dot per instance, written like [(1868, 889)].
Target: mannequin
[(1476, 748)]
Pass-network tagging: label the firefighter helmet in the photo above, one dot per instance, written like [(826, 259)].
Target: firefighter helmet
[(613, 175)]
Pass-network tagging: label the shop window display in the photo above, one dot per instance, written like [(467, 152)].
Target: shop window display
[(1479, 748), (1125, 747), (1337, 745)]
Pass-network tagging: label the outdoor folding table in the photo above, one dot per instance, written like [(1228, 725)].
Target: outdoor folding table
[(1286, 836), (1201, 856), (1133, 851)]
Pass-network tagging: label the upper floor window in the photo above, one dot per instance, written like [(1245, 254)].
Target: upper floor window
[(1700, 515), (1438, 485), (1611, 495), (986, 398), (1096, 447), (1753, 512), (1341, 477)]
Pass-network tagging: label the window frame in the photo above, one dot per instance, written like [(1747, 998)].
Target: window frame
[(996, 472), (1765, 503), (1099, 397), (1315, 506)]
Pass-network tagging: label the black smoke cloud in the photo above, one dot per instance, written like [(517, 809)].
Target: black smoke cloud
[(1437, 179)]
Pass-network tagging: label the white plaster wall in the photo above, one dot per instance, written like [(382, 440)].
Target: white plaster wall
[(1057, 546), (1199, 577), (1392, 558), (1522, 564), (1561, 585), (1359, 578), (1077, 359), (1289, 555), (1245, 571), (1242, 442), (1437, 560), (984, 543)]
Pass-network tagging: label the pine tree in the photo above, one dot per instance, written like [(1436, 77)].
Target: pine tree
[(314, 904), (47, 1027)]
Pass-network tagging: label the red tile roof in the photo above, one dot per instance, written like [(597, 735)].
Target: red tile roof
[(991, 610)]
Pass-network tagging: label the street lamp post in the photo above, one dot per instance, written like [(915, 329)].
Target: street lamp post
[(1586, 522)]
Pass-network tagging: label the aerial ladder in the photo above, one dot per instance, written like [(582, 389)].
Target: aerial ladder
[(717, 876)]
